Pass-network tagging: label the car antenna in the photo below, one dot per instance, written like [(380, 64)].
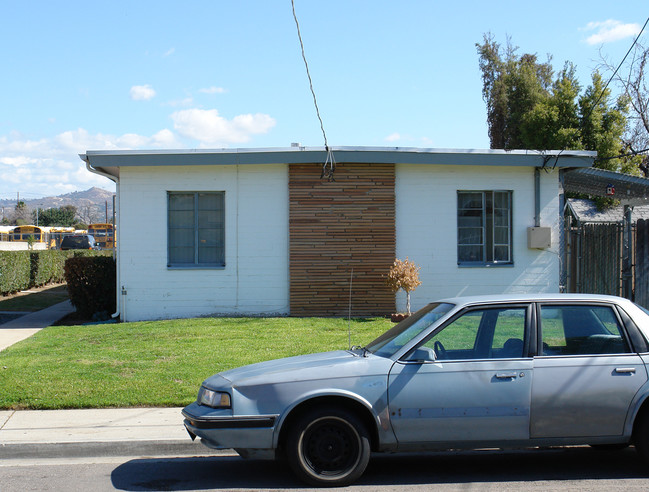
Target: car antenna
[(349, 313)]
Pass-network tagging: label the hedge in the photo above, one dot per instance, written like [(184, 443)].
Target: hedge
[(15, 271), (91, 284), (20, 270)]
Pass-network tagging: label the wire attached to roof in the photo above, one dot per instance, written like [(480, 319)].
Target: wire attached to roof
[(329, 165)]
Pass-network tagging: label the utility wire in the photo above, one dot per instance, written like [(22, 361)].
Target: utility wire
[(592, 108), (617, 69), (630, 154), (329, 173)]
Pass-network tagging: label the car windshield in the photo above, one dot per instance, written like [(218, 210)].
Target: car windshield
[(392, 340)]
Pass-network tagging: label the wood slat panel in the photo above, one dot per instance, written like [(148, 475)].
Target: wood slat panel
[(337, 226)]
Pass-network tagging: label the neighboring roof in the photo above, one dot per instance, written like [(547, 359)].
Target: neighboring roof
[(108, 162), (585, 211), (631, 190)]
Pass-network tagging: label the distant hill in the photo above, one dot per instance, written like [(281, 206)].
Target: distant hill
[(93, 205)]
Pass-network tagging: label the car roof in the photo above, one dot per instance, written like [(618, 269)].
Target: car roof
[(542, 297)]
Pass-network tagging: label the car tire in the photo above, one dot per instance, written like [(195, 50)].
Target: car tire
[(328, 447), (641, 437)]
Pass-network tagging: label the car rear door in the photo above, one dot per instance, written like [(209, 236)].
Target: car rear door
[(478, 386), (586, 373)]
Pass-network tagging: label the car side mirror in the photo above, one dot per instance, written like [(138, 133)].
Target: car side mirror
[(422, 354)]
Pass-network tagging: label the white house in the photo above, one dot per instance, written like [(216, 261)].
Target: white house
[(262, 232)]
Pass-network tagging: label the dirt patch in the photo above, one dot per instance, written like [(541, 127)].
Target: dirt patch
[(73, 319)]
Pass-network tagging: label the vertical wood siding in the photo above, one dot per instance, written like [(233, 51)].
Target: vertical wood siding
[(337, 226)]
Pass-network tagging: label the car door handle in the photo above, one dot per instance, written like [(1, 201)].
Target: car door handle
[(506, 375), (625, 370)]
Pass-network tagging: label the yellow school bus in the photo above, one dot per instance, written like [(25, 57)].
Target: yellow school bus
[(104, 235), (23, 233)]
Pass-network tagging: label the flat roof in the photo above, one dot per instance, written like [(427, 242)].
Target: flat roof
[(630, 190), (109, 161)]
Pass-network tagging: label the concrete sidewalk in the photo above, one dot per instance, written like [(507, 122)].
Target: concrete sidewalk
[(39, 434), (25, 326)]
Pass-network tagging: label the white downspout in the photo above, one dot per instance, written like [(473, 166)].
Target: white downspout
[(114, 179)]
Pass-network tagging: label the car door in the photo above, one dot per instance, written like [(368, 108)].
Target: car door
[(470, 381), (586, 373)]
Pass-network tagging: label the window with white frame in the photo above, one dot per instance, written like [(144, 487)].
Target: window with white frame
[(196, 229), (484, 227)]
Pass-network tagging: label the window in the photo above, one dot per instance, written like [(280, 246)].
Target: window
[(484, 230), (493, 333), (581, 330), (196, 229)]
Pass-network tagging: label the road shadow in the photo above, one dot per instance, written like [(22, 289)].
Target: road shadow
[(461, 467)]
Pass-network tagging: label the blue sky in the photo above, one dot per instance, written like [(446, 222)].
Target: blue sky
[(211, 74)]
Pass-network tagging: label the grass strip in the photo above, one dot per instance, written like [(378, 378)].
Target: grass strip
[(156, 363), (35, 299)]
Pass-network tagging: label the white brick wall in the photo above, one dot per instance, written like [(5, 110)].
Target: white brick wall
[(255, 278), (426, 212)]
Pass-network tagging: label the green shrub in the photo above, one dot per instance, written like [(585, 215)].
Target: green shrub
[(14, 271), (91, 283), (20, 270), (47, 267)]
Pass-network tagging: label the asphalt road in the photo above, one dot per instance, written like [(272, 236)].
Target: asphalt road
[(575, 469)]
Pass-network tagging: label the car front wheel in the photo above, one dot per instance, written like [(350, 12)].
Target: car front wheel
[(328, 446)]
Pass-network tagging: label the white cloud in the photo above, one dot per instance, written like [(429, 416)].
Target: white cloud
[(169, 52), (51, 166), (610, 30), (212, 90), (208, 127), (142, 92), (393, 137)]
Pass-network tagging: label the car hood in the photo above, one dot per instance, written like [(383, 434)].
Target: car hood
[(325, 365)]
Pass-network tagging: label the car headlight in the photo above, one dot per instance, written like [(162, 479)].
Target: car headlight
[(214, 399)]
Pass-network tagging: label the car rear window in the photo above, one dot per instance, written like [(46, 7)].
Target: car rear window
[(75, 241)]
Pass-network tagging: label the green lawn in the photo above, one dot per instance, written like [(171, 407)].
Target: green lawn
[(157, 363)]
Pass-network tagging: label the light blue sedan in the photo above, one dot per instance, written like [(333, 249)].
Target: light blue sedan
[(474, 372)]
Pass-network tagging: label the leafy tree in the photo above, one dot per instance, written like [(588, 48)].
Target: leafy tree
[(632, 81), (603, 125), (512, 86), (553, 122), (62, 216), (528, 107)]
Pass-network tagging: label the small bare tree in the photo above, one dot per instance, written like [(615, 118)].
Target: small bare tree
[(404, 275)]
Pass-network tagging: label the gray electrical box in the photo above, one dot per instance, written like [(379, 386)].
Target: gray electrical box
[(539, 237)]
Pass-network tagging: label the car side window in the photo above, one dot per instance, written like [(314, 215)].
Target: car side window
[(581, 330), (482, 334)]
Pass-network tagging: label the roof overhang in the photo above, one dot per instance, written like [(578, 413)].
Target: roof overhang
[(109, 162), (630, 190)]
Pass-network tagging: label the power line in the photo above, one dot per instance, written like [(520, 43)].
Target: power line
[(592, 108), (330, 164), (616, 70), (629, 154)]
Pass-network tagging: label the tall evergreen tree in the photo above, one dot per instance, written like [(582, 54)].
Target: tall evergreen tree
[(528, 107)]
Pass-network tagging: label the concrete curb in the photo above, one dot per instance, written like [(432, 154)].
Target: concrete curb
[(103, 449)]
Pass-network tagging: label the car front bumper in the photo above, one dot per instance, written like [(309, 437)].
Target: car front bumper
[(227, 431)]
